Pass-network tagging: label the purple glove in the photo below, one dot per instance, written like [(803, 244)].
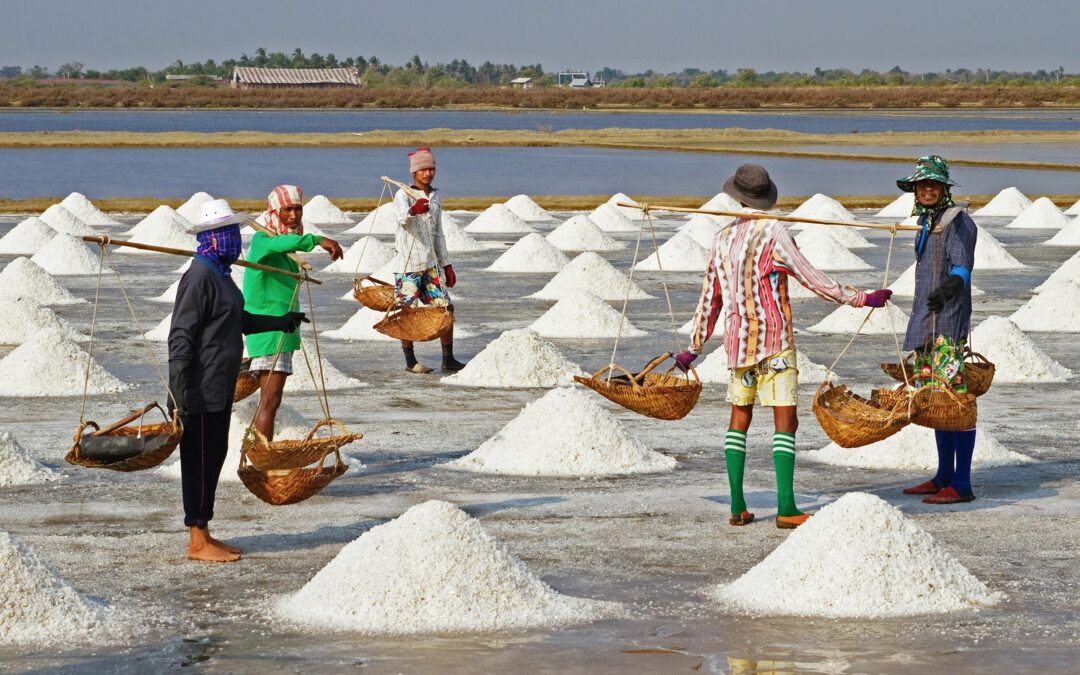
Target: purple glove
[(683, 360), (878, 298)]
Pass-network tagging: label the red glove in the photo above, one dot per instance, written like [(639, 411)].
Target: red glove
[(421, 206), (451, 278), (877, 299)]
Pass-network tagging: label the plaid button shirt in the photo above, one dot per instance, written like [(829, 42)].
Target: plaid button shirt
[(946, 247)]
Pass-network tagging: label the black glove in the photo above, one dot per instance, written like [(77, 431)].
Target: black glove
[(935, 302), (264, 323), (188, 395)]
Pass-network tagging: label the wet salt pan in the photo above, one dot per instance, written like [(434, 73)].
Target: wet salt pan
[(517, 359)]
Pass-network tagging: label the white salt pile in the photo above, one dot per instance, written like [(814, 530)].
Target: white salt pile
[(990, 254), (457, 239), (1051, 311), (678, 254), (904, 285), (564, 433), (583, 314), (628, 211), (702, 229), (845, 319), (1016, 358), (532, 253), (721, 201), (380, 221), (848, 237), (17, 467), (49, 364), (432, 570), (714, 370), (913, 448), (826, 253), (301, 379), (901, 207), (1069, 270), (62, 220), (1043, 214), (517, 359), (858, 558), (321, 210), (590, 271), (66, 255), (1067, 236), (368, 252), (169, 294), (160, 332), (24, 317), (82, 208), (822, 207), (498, 219), (1008, 202), (359, 326), (612, 219), (191, 210), (1073, 210), (163, 227), (579, 233), (525, 208), (27, 237), (161, 215), (22, 278)]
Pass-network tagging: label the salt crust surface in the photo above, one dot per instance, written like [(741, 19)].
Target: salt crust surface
[(713, 369), (531, 253), (1008, 202), (678, 254), (629, 212), (858, 557), (82, 208), (845, 319), (702, 229), (913, 448), (432, 570), (1069, 270), (66, 255), (1053, 310), (457, 239), (301, 379), (612, 219), (583, 314), (1015, 357), (848, 237), (1042, 214), (517, 359), (27, 237), (62, 220), (369, 252), (49, 364), (580, 233), (163, 227), (564, 433), (901, 207), (322, 211), (191, 210), (590, 272), (1067, 236), (17, 467), (22, 318), (22, 278), (826, 254), (525, 208), (497, 218), (379, 221)]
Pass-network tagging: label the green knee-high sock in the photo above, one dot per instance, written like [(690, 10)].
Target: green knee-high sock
[(735, 459), (784, 461)]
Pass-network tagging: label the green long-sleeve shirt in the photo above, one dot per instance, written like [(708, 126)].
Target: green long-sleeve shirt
[(269, 293)]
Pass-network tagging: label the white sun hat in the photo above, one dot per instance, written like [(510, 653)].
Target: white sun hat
[(216, 213)]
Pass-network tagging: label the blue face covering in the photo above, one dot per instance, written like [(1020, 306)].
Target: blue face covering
[(221, 247)]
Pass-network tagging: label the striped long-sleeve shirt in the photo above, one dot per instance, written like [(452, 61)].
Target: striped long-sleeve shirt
[(747, 280)]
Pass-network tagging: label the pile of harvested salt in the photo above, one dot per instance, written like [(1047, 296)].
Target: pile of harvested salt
[(49, 364), (169, 294), (590, 271), (913, 448), (628, 211), (582, 234), (822, 207), (22, 278), (1069, 270), (457, 239), (721, 201), (1073, 210), (1008, 202), (1051, 311), (848, 237), (517, 359), (360, 326), (498, 219), (380, 221), (1067, 236), (990, 254), (191, 210), (66, 255), (160, 332), (82, 208), (432, 570), (826, 253), (321, 210), (1016, 358), (612, 219), (62, 220), (162, 215), (702, 229), (858, 558), (1043, 214), (678, 254), (368, 252), (27, 237), (17, 467), (714, 369), (583, 314), (24, 317), (163, 227), (525, 208), (846, 319), (901, 207), (301, 379), (904, 285), (531, 253), (564, 433)]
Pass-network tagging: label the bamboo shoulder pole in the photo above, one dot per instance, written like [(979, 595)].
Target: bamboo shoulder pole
[(109, 241), (409, 190), (767, 216)]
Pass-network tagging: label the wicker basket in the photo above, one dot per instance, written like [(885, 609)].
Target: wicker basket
[(417, 324), (247, 383), (663, 396), (852, 421), (377, 295), (279, 487), (978, 371), (944, 409), (294, 454), (146, 460)]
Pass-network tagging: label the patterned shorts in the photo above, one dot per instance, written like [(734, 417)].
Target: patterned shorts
[(946, 360), (774, 379), (413, 289), (263, 363)]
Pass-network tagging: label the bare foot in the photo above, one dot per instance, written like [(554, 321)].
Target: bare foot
[(201, 546), (228, 547)]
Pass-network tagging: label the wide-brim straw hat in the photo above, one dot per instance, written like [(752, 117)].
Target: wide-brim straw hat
[(930, 167), (752, 186), (216, 213)]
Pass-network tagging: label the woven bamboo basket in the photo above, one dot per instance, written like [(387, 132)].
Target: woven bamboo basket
[(416, 324), (297, 453), (944, 409), (279, 487), (377, 295), (663, 396), (247, 383), (146, 460), (852, 421), (978, 370)]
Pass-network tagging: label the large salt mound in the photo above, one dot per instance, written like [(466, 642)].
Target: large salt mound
[(1043, 214), (22, 278), (579, 233), (525, 208), (1008, 202), (583, 314), (498, 219), (66, 255), (457, 239), (1073, 210), (301, 379), (590, 271), (17, 467), (321, 210), (1069, 270), (368, 252), (531, 253), (24, 317), (62, 220), (380, 221), (901, 207), (27, 237), (678, 254), (845, 319), (431, 570), (1051, 311), (990, 254), (827, 254), (157, 220), (628, 211), (702, 229), (721, 201), (564, 433), (822, 207), (612, 219), (1015, 357), (360, 326), (517, 359), (163, 227), (848, 237), (913, 448), (82, 208), (160, 332), (858, 558), (49, 364), (714, 370), (904, 285), (1067, 236), (191, 210)]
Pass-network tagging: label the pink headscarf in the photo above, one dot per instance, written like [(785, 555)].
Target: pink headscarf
[(282, 196), (421, 158)]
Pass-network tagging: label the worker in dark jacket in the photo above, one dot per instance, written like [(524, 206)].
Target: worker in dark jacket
[(205, 348)]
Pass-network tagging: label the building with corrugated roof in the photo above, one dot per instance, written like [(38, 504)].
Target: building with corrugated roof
[(245, 77)]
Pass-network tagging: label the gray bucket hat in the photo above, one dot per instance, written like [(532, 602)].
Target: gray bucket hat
[(752, 186)]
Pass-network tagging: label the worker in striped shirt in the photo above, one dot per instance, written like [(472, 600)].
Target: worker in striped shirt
[(747, 280)]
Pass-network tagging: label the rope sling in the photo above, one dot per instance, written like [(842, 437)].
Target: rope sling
[(370, 292)]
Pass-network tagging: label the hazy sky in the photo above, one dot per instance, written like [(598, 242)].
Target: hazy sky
[(664, 35)]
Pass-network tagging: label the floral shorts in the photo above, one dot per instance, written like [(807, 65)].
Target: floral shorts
[(774, 379), (946, 360), (413, 289)]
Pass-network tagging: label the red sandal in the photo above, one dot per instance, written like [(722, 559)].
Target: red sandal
[(948, 495)]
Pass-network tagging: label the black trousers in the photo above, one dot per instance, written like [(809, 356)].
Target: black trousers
[(202, 454)]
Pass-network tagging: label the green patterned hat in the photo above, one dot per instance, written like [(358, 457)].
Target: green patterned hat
[(930, 167)]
